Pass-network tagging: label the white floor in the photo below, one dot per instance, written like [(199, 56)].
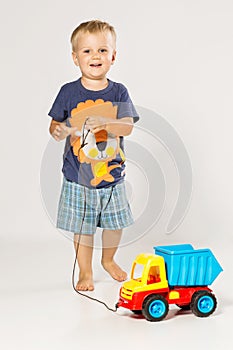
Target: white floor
[(40, 310)]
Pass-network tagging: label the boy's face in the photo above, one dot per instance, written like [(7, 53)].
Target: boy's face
[(94, 54)]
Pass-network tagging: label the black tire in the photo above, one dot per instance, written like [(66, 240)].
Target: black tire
[(155, 308), (203, 303), (184, 307), (137, 312)]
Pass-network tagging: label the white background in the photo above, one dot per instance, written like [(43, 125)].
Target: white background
[(175, 57)]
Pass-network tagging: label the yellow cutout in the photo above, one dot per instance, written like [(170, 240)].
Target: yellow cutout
[(174, 295), (122, 155), (100, 169)]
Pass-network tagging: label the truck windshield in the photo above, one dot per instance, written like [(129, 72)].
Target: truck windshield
[(137, 272)]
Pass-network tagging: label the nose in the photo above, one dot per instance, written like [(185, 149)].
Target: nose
[(96, 55), (101, 145), (101, 140)]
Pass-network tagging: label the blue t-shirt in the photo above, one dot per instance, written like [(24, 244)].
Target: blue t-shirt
[(93, 160)]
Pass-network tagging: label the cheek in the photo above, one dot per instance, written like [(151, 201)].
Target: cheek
[(110, 151), (108, 59), (83, 60), (93, 153)]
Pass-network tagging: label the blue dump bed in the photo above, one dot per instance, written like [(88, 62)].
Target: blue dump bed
[(187, 266)]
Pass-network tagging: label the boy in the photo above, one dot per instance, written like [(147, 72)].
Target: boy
[(93, 193)]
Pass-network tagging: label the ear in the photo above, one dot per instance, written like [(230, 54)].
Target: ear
[(113, 56), (75, 58)]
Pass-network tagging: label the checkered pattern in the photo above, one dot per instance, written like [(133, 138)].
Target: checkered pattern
[(82, 210)]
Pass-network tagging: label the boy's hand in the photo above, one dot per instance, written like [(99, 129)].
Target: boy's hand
[(95, 123), (114, 127), (61, 131)]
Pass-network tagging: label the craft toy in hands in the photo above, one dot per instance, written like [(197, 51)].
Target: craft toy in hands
[(101, 147)]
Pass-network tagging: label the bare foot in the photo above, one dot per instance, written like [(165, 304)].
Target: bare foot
[(114, 270), (85, 283)]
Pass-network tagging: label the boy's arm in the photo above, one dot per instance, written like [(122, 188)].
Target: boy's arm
[(60, 131), (116, 127)]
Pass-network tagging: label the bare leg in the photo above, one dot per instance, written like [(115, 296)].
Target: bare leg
[(110, 241), (84, 243)]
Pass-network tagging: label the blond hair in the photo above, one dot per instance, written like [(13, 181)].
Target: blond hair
[(93, 26)]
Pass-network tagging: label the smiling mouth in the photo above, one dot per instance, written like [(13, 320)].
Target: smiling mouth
[(96, 65)]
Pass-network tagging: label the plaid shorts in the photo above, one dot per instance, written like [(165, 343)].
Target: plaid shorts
[(81, 209)]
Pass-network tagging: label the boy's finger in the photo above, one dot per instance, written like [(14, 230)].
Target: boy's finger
[(58, 129), (74, 131), (74, 128), (95, 130), (63, 127), (55, 137)]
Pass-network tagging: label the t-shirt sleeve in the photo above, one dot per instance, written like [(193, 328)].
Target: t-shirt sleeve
[(58, 110), (125, 106)]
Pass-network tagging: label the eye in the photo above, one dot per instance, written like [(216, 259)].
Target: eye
[(86, 51), (102, 50)]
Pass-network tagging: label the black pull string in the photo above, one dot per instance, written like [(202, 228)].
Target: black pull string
[(85, 295), (78, 243)]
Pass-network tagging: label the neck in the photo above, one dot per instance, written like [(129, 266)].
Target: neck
[(92, 84)]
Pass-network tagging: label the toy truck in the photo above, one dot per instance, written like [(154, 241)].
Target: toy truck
[(175, 274)]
